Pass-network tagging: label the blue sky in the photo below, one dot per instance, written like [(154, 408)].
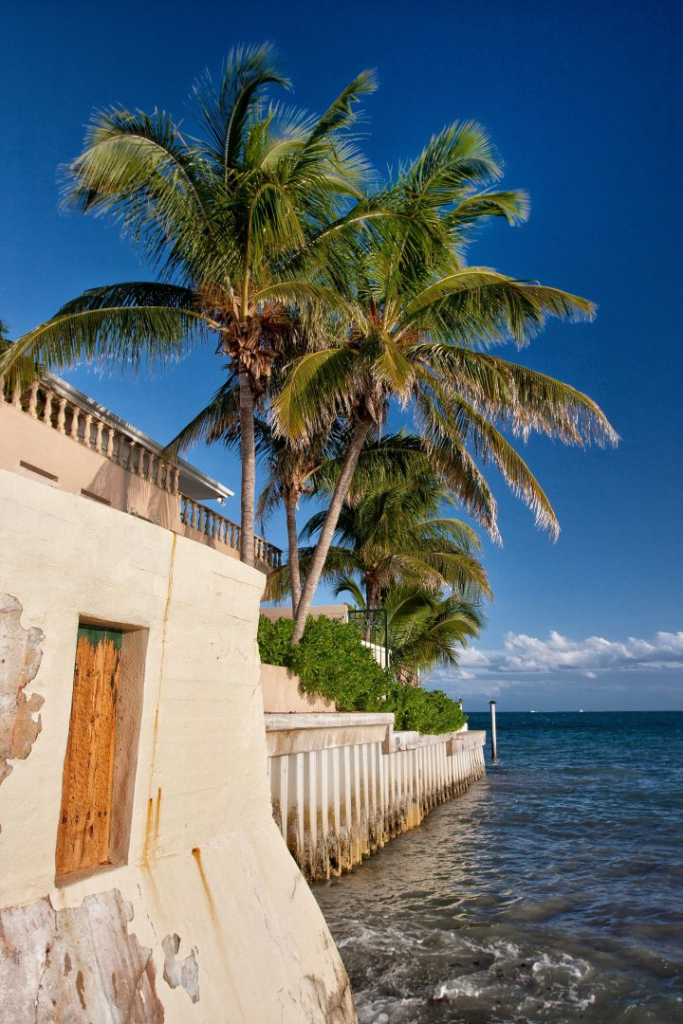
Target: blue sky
[(583, 101)]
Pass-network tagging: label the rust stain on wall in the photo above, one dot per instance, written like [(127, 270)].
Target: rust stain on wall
[(180, 972), (197, 854), (20, 657), (148, 833), (78, 964), (151, 828), (157, 815), (80, 988)]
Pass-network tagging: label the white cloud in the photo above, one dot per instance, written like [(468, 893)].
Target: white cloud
[(557, 673), (525, 656)]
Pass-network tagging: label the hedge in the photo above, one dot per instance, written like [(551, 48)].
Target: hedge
[(332, 662)]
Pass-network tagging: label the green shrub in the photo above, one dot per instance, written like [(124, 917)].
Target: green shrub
[(274, 640), (332, 662), (430, 712)]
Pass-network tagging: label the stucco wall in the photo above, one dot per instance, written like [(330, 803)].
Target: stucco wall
[(59, 461), (210, 904), (282, 693), (339, 612), (77, 467)]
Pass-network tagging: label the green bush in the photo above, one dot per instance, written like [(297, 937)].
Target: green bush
[(430, 712), (332, 662), (274, 640)]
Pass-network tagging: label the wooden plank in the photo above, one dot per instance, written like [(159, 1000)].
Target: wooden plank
[(85, 817)]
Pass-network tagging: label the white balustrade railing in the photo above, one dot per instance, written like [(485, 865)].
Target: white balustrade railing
[(217, 527), (41, 403)]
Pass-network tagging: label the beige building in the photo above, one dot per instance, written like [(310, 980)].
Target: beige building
[(142, 877), (55, 434)]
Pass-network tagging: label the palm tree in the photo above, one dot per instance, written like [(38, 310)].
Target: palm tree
[(289, 466), (20, 370), (220, 216), (422, 323), (396, 533), (424, 629)]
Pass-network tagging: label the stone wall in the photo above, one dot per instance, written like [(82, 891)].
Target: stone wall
[(208, 918)]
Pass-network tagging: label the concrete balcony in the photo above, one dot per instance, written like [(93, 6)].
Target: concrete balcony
[(55, 434)]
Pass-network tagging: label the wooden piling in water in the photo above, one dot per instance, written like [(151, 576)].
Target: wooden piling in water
[(494, 738)]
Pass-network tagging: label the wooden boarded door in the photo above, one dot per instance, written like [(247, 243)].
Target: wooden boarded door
[(85, 817)]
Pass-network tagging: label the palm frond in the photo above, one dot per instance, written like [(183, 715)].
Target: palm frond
[(115, 338), (478, 305), (346, 584), (137, 168), (299, 293), (315, 385), (392, 369), (226, 111), (427, 629), (270, 499), (341, 112), (218, 420), (511, 204), (514, 396), (458, 157), (16, 372), (129, 294), (450, 459), (462, 420)]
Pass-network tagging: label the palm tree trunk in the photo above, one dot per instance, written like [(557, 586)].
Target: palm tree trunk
[(293, 543), (248, 454), (371, 602), (327, 533)]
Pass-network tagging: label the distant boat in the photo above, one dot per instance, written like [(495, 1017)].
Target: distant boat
[(580, 711), (533, 711)]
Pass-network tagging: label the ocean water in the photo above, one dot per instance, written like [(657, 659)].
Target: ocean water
[(551, 891)]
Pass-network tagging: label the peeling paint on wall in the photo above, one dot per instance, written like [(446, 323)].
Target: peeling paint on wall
[(180, 972), (20, 657), (78, 964)]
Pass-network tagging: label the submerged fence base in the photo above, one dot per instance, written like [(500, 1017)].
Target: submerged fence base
[(342, 785)]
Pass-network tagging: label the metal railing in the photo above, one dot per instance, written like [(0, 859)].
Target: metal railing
[(373, 625)]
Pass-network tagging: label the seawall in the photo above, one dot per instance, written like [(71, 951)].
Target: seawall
[(343, 785)]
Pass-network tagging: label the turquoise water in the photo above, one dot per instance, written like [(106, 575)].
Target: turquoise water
[(551, 891)]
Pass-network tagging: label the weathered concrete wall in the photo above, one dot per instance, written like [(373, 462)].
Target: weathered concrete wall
[(209, 920), (282, 693), (343, 785)]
